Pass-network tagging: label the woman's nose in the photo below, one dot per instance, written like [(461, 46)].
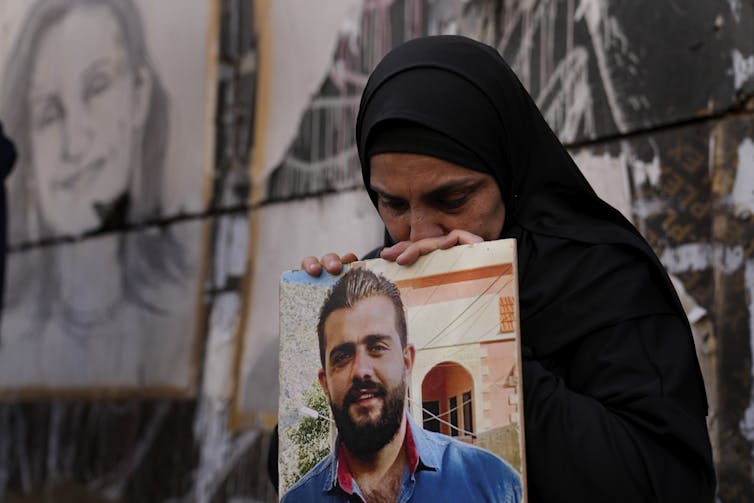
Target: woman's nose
[(77, 135), (424, 225)]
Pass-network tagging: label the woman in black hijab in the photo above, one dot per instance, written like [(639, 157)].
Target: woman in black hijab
[(614, 400)]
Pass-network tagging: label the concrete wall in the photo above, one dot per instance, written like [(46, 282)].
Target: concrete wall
[(652, 98)]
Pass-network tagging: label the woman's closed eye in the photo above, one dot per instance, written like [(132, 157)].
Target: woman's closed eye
[(452, 202), (393, 204)]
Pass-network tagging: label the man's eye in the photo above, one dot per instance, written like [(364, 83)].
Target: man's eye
[(339, 358), (378, 348)]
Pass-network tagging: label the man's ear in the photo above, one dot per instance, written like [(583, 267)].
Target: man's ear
[(322, 376), (409, 353)]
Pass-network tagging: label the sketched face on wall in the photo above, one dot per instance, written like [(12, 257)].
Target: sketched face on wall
[(88, 105)]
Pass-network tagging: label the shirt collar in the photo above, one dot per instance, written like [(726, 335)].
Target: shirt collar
[(419, 453), (428, 457)]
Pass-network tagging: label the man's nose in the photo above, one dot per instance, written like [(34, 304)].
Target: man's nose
[(362, 366), (424, 225)]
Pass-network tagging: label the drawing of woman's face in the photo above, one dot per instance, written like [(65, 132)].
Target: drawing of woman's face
[(86, 104)]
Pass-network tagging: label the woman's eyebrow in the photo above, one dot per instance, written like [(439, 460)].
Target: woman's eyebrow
[(442, 190), (384, 195), (469, 183)]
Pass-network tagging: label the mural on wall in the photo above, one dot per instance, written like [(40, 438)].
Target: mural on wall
[(733, 260), (322, 157), (691, 197), (110, 138), (105, 313), (596, 67), (588, 64)]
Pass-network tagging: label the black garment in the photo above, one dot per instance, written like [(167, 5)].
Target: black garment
[(613, 396), (7, 159)]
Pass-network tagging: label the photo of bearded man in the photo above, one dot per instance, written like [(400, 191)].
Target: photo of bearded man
[(381, 453)]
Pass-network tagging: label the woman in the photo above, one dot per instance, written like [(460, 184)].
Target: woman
[(89, 117), (453, 150)]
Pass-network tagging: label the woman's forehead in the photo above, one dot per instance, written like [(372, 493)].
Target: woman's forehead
[(401, 164)]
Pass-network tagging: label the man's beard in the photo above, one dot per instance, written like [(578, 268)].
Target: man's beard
[(364, 440)]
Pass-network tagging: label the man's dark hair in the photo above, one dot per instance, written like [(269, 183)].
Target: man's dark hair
[(354, 286)]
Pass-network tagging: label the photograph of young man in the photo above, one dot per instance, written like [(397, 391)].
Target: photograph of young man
[(380, 453)]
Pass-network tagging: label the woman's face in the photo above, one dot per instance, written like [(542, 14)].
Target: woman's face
[(420, 197), (86, 103)]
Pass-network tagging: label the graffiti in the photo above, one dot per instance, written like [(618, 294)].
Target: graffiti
[(586, 63), (323, 155), (743, 68), (742, 195), (747, 421), (687, 257), (702, 256), (573, 56), (608, 176), (735, 8), (645, 172)]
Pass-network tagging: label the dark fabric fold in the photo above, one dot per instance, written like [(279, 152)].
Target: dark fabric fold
[(7, 160)]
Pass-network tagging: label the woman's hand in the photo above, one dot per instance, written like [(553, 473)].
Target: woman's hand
[(331, 263), (407, 252)]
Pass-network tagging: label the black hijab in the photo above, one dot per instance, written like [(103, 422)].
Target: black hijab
[(463, 90)]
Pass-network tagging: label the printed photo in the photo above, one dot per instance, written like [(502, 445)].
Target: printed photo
[(403, 379)]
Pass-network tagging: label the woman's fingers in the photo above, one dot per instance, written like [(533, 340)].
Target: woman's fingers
[(406, 252), (348, 258), (312, 266), (330, 262), (403, 253), (392, 252), (419, 248), (459, 237)]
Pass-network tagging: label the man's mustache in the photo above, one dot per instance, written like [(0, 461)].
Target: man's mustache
[(359, 387)]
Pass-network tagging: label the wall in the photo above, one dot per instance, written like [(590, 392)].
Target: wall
[(652, 98)]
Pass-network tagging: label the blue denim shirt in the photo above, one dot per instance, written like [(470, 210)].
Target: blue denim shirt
[(447, 470)]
